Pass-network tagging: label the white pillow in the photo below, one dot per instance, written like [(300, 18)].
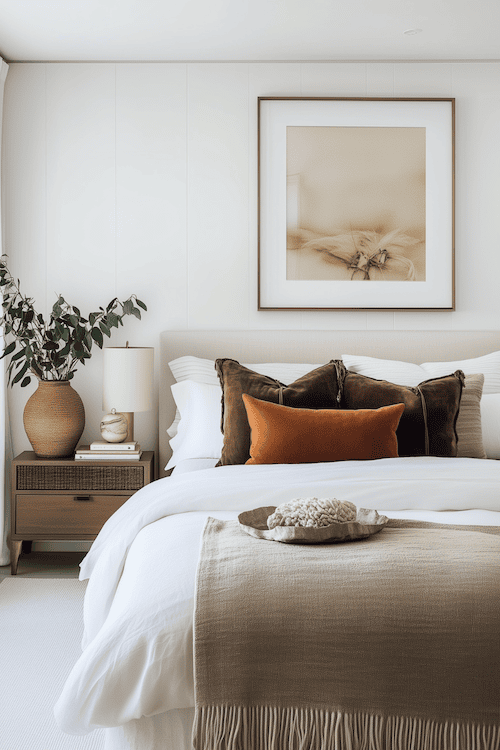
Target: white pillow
[(201, 370), (406, 373), (488, 364), (490, 420), (198, 434), (401, 373)]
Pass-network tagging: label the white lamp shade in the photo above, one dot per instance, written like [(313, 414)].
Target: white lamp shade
[(128, 379)]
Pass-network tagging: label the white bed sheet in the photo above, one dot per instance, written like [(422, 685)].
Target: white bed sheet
[(137, 658)]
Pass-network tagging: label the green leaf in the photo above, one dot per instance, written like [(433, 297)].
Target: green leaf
[(10, 348), (112, 304), (36, 368), (136, 312), (21, 373), (19, 354), (105, 329), (141, 304), (26, 381), (97, 336), (112, 320)]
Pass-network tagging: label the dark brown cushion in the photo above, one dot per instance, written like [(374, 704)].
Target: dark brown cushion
[(428, 423), (319, 389)]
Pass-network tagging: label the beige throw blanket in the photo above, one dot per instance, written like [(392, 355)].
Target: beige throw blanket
[(390, 643)]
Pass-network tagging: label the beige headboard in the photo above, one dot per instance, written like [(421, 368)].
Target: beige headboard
[(309, 346)]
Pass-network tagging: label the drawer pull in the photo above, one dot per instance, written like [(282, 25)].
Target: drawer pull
[(82, 498)]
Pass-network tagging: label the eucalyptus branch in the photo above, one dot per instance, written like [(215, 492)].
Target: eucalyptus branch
[(52, 349)]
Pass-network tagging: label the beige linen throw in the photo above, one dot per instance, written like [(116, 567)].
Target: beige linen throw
[(390, 643)]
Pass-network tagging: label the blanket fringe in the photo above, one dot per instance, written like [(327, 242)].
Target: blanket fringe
[(272, 728)]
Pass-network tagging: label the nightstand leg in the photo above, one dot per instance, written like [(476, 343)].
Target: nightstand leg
[(15, 551)]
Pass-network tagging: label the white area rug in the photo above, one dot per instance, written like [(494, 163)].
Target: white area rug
[(40, 634)]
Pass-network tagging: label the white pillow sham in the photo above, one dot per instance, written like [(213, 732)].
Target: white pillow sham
[(198, 434), (201, 370), (406, 373)]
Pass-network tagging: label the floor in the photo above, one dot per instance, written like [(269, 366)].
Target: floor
[(46, 565)]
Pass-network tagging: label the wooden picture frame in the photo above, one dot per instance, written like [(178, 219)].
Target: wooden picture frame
[(354, 190)]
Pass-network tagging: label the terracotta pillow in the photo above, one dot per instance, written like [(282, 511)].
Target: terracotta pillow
[(283, 435), (318, 389), (428, 423)]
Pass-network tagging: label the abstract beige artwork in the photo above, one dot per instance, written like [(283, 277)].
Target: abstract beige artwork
[(356, 203)]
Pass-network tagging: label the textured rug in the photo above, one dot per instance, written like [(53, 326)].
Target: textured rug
[(40, 634)]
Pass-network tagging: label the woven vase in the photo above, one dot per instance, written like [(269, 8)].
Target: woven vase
[(54, 419)]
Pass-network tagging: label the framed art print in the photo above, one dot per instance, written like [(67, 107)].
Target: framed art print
[(356, 204)]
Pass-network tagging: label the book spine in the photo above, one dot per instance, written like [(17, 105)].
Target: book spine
[(108, 456), (117, 448)]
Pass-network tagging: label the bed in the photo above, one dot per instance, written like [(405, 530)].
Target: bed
[(144, 609)]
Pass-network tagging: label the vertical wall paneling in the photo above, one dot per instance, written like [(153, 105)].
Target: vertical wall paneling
[(151, 206), (24, 201), (380, 79), (81, 230), (218, 217), (24, 178), (476, 88), (422, 79), (334, 79)]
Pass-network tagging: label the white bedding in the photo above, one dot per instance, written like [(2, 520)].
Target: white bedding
[(137, 657)]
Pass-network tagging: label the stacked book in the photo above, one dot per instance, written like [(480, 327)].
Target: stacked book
[(100, 450)]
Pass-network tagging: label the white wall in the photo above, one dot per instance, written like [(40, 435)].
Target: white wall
[(142, 178)]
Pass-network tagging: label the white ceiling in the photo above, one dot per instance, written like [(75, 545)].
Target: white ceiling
[(249, 30)]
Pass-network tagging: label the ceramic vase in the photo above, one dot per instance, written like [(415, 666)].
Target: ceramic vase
[(54, 419)]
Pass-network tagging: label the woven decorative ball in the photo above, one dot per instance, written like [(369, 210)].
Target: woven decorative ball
[(54, 419), (312, 512)]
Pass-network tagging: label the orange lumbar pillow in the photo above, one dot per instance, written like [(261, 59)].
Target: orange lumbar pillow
[(287, 435)]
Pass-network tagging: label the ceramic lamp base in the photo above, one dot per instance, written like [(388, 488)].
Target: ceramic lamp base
[(129, 416)]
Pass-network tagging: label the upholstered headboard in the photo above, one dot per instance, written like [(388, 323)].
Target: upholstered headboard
[(309, 346)]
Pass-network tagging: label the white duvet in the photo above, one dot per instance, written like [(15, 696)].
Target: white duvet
[(137, 648)]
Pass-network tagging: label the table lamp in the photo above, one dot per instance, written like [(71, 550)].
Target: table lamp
[(128, 382)]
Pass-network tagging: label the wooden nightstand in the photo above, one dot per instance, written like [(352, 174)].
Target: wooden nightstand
[(67, 499)]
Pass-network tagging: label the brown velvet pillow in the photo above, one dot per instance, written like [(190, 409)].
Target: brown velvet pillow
[(283, 435), (319, 389), (428, 423)]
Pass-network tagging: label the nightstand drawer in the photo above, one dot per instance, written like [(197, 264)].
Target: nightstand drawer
[(82, 476), (64, 514)]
